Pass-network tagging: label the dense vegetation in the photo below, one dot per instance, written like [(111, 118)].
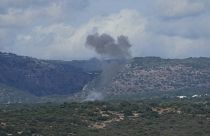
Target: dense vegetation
[(142, 118)]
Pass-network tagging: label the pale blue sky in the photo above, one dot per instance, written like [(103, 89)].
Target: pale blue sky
[(57, 29)]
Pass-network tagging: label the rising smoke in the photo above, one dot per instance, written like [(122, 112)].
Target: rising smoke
[(107, 47)]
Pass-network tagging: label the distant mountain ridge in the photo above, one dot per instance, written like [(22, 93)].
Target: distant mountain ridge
[(42, 80), (42, 77), (154, 76), (165, 74)]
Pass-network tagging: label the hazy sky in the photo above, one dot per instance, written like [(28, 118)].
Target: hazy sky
[(57, 29)]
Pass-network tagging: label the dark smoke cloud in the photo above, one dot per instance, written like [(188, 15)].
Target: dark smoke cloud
[(106, 46)]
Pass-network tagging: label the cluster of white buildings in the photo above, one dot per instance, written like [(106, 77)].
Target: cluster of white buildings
[(193, 96)]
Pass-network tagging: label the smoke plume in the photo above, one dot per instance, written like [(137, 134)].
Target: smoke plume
[(117, 51), (106, 46)]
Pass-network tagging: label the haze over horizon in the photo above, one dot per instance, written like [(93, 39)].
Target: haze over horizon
[(57, 29)]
